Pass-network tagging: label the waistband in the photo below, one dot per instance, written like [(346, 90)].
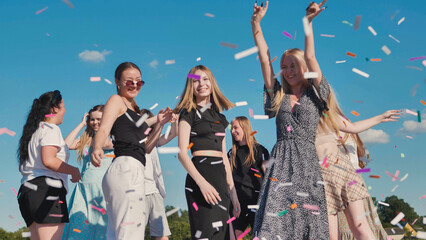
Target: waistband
[(207, 159), (287, 137)]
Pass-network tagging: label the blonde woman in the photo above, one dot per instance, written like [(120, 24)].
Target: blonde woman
[(87, 203), (209, 186), (292, 199), (248, 159), (345, 189)]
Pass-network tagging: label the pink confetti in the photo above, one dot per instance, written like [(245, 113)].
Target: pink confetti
[(411, 112), (193, 76), (244, 233), (147, 131), (324, 161), (195, 206), (15, 192), (417, 58), (220, 134), (251, 112), (68, 3), (56, 215), (391, 175), (41, 10), (18, 223), (60, 202), (86, 221), (49, 115), (410, 137), (424, 196), (288, 128), (47, 34), (311, 207), (254, 169), (287, 34), (230, 220), (352, 183), (7, 131), (395, 176), (363, 170), (98, 209)]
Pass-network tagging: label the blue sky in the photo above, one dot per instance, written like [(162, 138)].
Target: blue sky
[(145, 32)]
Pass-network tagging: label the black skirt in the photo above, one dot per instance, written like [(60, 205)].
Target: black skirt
[(204, 215)]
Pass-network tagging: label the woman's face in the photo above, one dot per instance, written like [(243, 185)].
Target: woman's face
[(95, 120), (60, 113), (291, 71), (237, 132), (128, 83), (202, 87)]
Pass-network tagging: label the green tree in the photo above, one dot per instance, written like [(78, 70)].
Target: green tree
[(396, 205), (13, 235)]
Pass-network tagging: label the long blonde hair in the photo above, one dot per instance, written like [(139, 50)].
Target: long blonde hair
[(88, 134), (299, 58), (250, 140), (329, 120), (218, 100)]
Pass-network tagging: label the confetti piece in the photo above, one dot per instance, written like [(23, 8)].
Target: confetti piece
[(302, 194), (169, 128), (251, 80), (417, 58), (16, 194), (26, 234), (95, 79), (289, 129), (348, 23), (423, 102), (251, 134), (60, 202), (47, 34), (282, 213), (308, 75), (372, 30), (30, 186), (143, 140), (396, 175), (1, 181), (322, 183), (254, 169), (174, 210), (216, 162), (396, 40), (239, 104), (402, 155), (230, 220), (217, 224), (273, 179), (246, 53), (311, 207), (49, 115), (424, 196), (198, 59), (393, 189), (363, 170), (419, 119), (148, 130), (207, 106), (366, 75), (56, 215), (287, 34), (293, 206), (168, 150), (275, 58), (110, 155), (52, 198), (383, 203), (195, 206), (401, 20), (190, 146), (410, 137), (411, 112), (172, 61), (154, 106), (189, 189), (141, 120), (355, 113), (306, 26), (341, 61), (54, 183), (198, 114), (397, 218), (424, 63), (327, 35), (68, 3), (352, 183), (257, 175), (126, 224), (351, 54), (202, 160), (421, 235), (41, 10), (209, 15), (230, 45), (108, 81), (374, 176), (357, 22), (261, 117), (405, 177), (386, 50), (76, 230), (376, 60), (415, 68)]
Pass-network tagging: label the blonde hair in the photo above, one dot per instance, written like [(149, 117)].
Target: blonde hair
[(250, 140), (298, 57), (88, 134), (329, 120), (218, 100)]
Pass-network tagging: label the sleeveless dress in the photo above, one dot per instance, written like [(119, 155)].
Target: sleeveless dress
[(88, 219), (292, 202)]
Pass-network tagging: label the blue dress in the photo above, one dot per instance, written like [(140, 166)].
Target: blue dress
[(87, 207)]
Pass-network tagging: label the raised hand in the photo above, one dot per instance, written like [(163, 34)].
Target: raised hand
[(314, 9), (164, 116), (259, 12), (84, 120), (391, 116)]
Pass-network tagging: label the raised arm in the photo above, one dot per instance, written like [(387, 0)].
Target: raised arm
[(259, 40), (311, 12), (113, 109), (71, 140), (360, 126), (209, 192), (232, 192)]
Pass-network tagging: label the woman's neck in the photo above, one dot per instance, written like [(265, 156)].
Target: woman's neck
[(242, 142), (203, 101), (297, 90)]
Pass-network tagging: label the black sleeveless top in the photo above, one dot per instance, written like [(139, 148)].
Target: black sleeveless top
[(128, 139)]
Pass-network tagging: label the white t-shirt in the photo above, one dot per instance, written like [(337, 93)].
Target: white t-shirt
[(47, 134)]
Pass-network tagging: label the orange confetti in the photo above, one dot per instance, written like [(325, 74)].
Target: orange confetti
[(374, 176), (355, 113), (424, 103), (350, 54), (273, 179), (257, 175), (76, 230), (251, 134), (256, 33), (251, 80), (275, 58), (293, 206), (110, 155), (1, 181), (190, 146), (217, 122), (376, 60)]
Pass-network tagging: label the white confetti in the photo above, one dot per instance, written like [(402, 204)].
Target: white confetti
[(202, 160), (261, 117), (198, 234), (198, 59), (393, 231), (54, 183), (302, 194), (95, 79), (306, 26), (224, 208), (286, 184), (401, 20), (343, 61), (172, 211), (142, 120), (30, 186), (421, 235), (168, 62), (169, 128), (386, 50), (384, 204), (217, 224), (242, 103), (396, 40), (308, 75), (397, 218), (198, 114), (209, 15), (327, 35), (253, 206), (394, 188), (153, 106), (322, 183), (246, 53), (26, 234), (108, 81), (216, 162), (405, 177), (52, 198), (168, 150), (143, 140), (366, 75), (207, 106), (271, 214), (189, 189), (372, 30)]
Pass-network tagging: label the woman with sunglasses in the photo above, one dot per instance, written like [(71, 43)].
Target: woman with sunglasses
[(43, 157), (123, 183), (87, 203)]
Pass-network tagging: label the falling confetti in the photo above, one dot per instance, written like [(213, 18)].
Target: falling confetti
[(287, 34), (401, 20), (168, 62), (396, 40), (386, 50), (366, 75), (230, 45), (372, 30), (209, 15), (41, 10), (246, 53)]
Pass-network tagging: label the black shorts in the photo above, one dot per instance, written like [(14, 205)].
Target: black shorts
[(35, 207), (246, 196)]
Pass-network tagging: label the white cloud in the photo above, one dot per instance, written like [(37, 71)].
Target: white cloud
[(154, 64), (374, 136), (93, 56), (411, 126)]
